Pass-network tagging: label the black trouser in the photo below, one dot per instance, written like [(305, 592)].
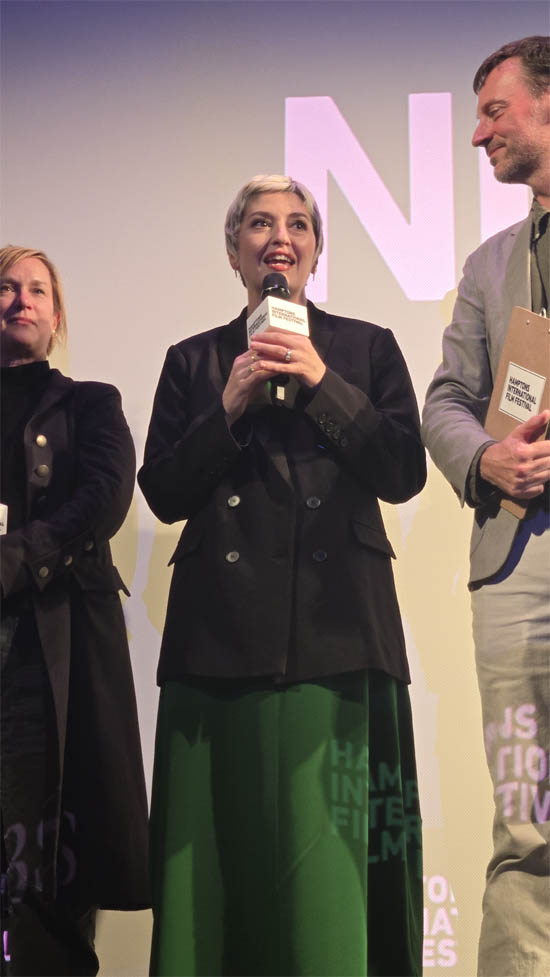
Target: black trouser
[(40, 935), (50, 940)]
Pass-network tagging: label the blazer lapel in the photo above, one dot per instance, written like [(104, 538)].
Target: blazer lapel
[(320, 332), (517, 282), (58, 386), (45, 414), (232, 342)]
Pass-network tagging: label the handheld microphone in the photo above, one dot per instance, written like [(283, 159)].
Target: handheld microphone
[(277, 311), (275, 285)]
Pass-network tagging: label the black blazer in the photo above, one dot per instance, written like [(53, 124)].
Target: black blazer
[(80, 465), (284, 567)]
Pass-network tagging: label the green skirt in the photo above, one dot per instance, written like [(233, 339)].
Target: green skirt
[(285, 828)]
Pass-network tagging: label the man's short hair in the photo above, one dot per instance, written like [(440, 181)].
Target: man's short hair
[(534, 54)]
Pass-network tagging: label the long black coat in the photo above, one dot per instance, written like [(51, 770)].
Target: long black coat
[(284, 567), (80, 466)]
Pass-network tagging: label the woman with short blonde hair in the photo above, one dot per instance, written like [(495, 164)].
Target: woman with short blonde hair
[(284, 766)]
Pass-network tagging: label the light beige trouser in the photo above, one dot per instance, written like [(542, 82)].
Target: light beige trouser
[(511, 626)]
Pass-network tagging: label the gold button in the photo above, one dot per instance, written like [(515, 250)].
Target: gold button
[(41, 440), (67, 560), (42, 471), (89, 545), (43, 572), (233, 500), (232, 556)]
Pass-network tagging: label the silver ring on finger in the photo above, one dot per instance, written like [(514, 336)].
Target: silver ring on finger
[(288, 356)]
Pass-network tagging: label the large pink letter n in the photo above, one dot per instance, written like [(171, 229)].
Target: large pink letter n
[(419, 252)]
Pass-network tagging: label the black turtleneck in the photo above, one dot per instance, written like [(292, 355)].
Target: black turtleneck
[(22, 387)]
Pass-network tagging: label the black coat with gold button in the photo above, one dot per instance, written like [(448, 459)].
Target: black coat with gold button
[(284, 566), (80, 467)]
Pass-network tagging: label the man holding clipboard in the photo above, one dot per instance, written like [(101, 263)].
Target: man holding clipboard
[(505, 477)]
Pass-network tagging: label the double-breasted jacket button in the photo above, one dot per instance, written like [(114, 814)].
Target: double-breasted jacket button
[(329, 427), (336, 431), (232, 556), (322, 420), (89, 545), (41, 440), (320, 555), (233, 501), (67, 560), (313, 502), (42, 471), (43, 572)]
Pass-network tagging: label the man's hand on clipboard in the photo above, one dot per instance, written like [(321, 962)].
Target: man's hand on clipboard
[(519, 465)]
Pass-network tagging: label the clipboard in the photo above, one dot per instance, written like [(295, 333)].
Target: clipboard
[(522, 384)]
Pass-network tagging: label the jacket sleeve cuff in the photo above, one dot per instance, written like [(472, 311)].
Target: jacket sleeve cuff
[(478, 490)]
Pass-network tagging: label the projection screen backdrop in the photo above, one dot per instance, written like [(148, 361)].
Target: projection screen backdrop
[(127, 128)]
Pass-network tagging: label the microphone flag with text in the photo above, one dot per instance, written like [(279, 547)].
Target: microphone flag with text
[(276, 311)]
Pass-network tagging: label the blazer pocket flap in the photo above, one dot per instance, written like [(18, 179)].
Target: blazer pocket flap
[(370, 536), (187, 543)]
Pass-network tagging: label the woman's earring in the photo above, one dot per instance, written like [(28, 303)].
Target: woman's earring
[(236, 272)]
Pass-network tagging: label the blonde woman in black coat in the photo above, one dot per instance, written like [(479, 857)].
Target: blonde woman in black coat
[(74, 817), (285, 821)]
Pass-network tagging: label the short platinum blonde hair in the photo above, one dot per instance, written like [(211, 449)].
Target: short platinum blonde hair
[(10, 255), (270, 183)]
